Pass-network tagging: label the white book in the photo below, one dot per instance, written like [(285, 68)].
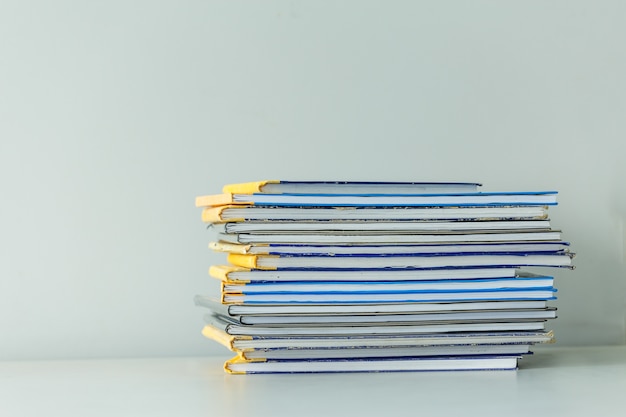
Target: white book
[(386, 352), (258, 330), (245, 343), (363, 309), (244, 212), (401, 261), (398, 238), (388, 249), (241, 366), (391, 227), (349, 187), (239, 274), (312, 319)]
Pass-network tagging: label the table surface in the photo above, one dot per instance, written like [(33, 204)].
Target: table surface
[(583, 381)]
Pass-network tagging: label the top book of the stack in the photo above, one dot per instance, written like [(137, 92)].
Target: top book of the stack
[(369, 194), (348, 187)]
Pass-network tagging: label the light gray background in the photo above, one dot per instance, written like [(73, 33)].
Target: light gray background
[(115, 115)]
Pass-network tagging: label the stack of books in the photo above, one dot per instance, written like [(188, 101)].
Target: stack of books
[(379, 276)]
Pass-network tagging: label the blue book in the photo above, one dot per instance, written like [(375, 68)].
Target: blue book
[(399, 297), (473, 199), (528, 281)]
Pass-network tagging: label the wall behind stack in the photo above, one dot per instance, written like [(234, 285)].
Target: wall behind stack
[(115, 116)]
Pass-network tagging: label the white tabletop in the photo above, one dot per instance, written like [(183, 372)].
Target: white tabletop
[(589, 381)]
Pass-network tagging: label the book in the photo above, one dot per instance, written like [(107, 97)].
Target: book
[(234, 213), (337, 310), (365, 227), (233, 328), (387, 352), (382, 287), (368, 261), (334, 237), (347, 187), (402, 297), (370, 319), (336, 276), (249, 343), (239, 365), (534, 198), (233, 273), (388, 249)]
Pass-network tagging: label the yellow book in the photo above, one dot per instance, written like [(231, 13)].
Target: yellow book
[(233, 365), (236, 193), (219, 335), (217, 200), (231, 247), (249, 261), (239, 365), (222, 272), (248, 187), (244, 212), (347, 187), (215, 214), (226, 198), (466, 260)]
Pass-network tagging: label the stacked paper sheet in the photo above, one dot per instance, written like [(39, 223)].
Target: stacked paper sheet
[(356, 276)]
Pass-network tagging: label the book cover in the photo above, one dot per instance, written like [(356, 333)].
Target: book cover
[(360, 237), (346, 187), (404, 297), (528, 281), (240, 365), (375, 226), (336, 310), (367, 261), (233, 273), (537, 198), (390, 248), (238, 213)]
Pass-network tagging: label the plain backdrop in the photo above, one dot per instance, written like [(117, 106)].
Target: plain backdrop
[(115, 115)]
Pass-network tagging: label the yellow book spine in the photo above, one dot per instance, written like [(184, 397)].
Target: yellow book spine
[(238, 360), (229, 247), (247, 261), (247, 187), (233, 361), (224, 292), (213, 214), (214, 200), (222, 272), (219, 336), (223, 298)]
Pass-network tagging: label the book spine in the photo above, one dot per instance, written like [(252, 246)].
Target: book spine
[(247, 187), (214, 200)]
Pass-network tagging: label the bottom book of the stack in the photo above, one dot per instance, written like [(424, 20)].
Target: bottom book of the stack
[(291, 338)]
